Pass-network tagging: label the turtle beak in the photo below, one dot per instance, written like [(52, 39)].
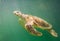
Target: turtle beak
[(16, 12)]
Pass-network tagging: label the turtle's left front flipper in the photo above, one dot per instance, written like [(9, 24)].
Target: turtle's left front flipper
[(31, 29)]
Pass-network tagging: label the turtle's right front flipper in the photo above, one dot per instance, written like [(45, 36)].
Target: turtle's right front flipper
[(32, 30)]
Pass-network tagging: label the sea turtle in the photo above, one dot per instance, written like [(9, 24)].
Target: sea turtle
[(30, 21)]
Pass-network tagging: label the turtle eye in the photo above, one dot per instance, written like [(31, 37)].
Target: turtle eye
[(27, 17), (17, 12)]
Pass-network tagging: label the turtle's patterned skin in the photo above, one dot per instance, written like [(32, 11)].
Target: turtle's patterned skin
[(33, 20)]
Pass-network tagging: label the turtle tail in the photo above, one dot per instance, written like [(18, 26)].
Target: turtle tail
[(52, 32)]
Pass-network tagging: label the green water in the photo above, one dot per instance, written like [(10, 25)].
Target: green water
[(11, 30)]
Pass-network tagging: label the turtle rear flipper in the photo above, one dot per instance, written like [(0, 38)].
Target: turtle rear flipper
[(52, 32)]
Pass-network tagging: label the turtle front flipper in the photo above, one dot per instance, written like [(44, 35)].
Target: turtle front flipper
[(42, 23), (32, 30), (52, 32), (21, 21)]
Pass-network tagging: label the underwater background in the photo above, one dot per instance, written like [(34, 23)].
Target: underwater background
[(11, 30)]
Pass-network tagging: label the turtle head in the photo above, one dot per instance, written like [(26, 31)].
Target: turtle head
[(18, 13)]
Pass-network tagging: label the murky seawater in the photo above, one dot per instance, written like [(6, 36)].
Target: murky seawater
[(11, 30)]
